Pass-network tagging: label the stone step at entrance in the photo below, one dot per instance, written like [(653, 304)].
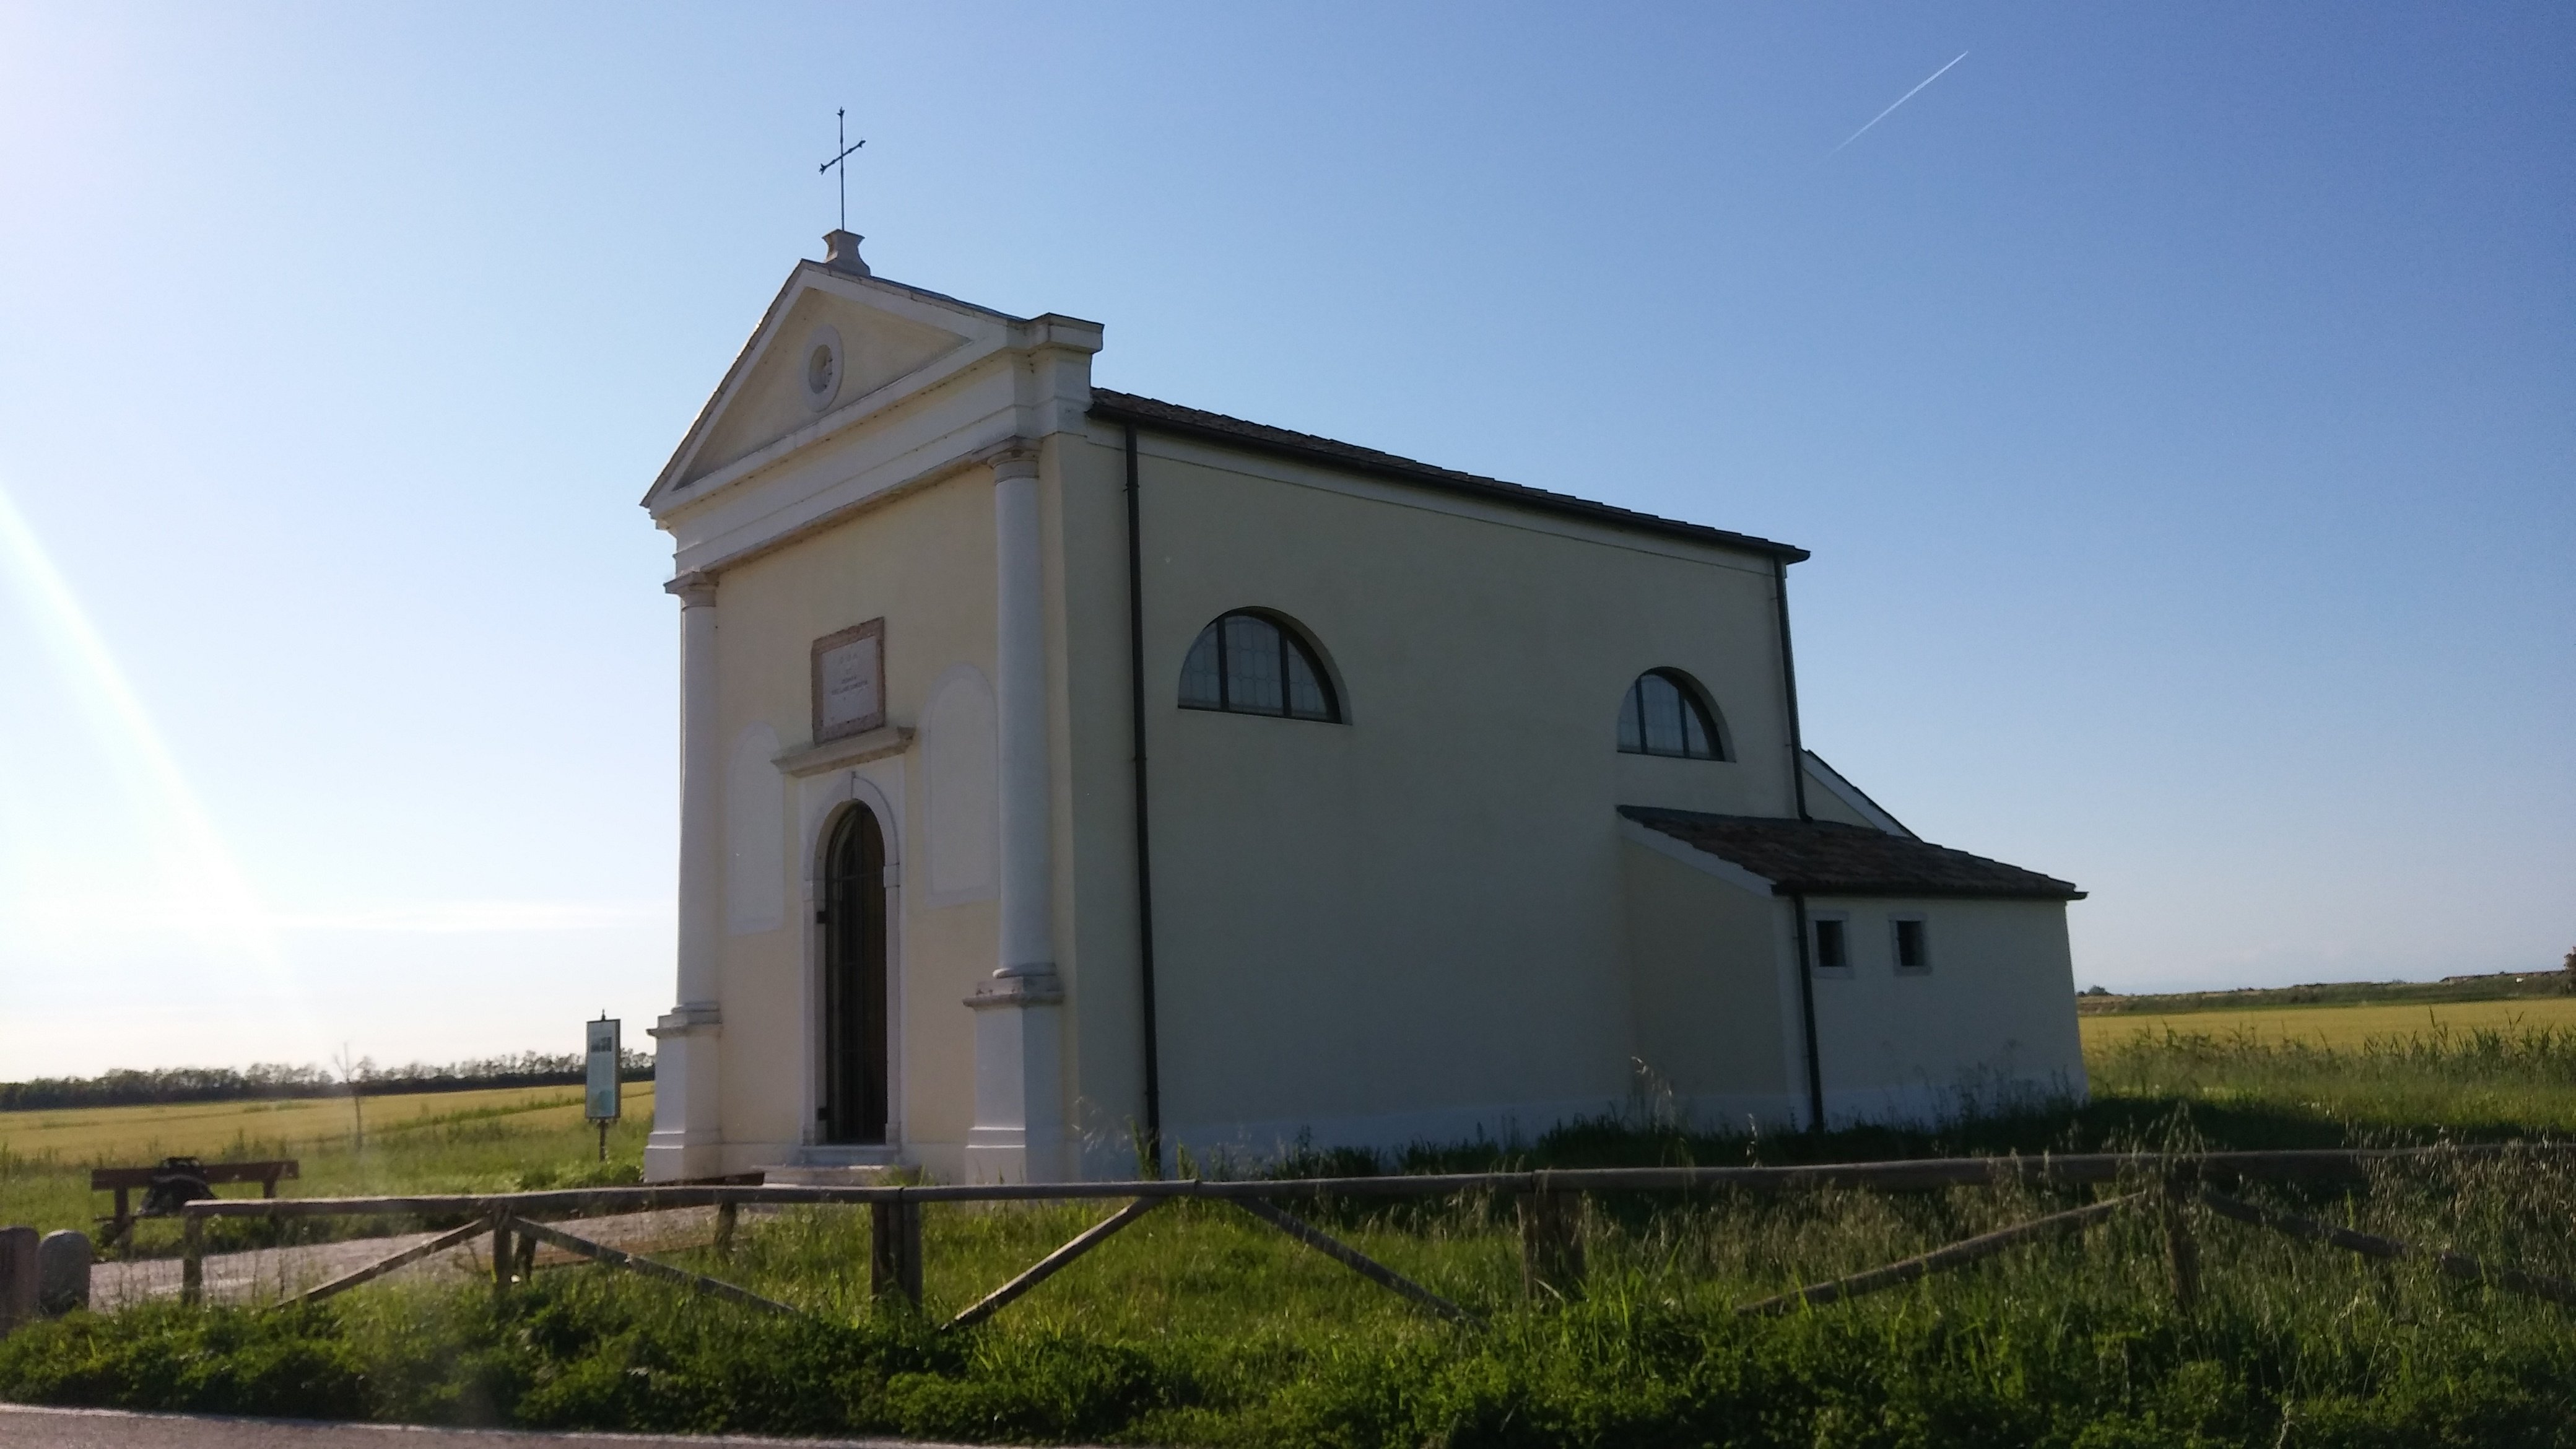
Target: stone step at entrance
[(844, 1174)]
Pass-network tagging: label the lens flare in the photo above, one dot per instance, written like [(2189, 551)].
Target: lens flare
[(192, 896)]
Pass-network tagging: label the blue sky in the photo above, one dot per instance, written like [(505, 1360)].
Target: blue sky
[(2180, 402)]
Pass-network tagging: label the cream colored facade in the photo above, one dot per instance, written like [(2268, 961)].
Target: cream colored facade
[(1425, 920)]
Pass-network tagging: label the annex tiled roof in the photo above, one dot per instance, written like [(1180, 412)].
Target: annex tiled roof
[(1827, 857), (1146, 412)]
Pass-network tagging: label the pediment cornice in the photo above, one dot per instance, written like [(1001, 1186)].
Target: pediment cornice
[(743, 429)]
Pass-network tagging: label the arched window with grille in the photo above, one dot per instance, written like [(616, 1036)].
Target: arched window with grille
[(1666, 713), (1249, 662)]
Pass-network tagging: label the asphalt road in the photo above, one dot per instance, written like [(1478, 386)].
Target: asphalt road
[(25, 1428)]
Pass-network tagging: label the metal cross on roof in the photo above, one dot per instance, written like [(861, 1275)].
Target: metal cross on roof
[(842, 160)]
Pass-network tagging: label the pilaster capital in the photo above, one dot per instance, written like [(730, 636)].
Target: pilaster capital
[(696, 589), (1036, 985), (1011, 458), (688, 1019)]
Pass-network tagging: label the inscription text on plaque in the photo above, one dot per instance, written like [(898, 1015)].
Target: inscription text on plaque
[(849, 681)]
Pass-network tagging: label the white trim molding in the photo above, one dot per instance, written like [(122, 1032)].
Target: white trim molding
[(1853, 796), (876, 744), (1697, 859), (820, 801)]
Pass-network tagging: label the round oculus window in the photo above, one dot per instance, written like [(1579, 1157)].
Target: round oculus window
[(822, 368)]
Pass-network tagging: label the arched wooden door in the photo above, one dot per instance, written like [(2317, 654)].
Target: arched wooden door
[(855, 1029)]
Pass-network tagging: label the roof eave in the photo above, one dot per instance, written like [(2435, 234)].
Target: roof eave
[(1894, 892), (1424, 475), (2015, 884)]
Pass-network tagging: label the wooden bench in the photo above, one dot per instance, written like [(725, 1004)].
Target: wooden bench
[(123, 1181)]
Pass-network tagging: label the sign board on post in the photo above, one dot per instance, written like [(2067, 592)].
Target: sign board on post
[(601, 1069)]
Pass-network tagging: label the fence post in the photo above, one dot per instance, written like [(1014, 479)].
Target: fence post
[(17, 1278), (726, 1212), (894, 1249), (1551, 1241), (63, 1260), (504, 1253), (2182, 1250), (192, 1259)]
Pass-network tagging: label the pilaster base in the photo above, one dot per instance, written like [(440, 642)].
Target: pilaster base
[(688, 1124), (1015, 1154), (1019, 1093)]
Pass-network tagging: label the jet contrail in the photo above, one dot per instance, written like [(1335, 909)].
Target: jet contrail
[(1901, 100)]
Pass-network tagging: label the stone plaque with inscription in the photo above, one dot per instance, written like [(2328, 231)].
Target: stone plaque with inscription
[(849, 681)]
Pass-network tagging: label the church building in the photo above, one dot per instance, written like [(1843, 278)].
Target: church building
[(1069, 775)]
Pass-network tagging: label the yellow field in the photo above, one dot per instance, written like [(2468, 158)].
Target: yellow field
[(138, 1135), (2339, 1026), (135, 1135)]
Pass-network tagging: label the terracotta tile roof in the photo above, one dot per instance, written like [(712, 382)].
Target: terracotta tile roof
[(1146, 412), (1828, 858)]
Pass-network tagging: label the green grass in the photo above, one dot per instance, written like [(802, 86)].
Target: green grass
[(1200, 1326), (2484, 1083)]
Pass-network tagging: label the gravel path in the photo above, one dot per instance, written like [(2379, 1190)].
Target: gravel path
[(266, 1274), (23, 1428)]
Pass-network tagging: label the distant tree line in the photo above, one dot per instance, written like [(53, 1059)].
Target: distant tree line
[(129, 1088)]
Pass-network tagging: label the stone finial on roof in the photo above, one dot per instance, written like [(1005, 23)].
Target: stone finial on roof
[(841, 252)]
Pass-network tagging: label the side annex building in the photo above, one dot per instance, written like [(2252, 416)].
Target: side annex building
[(1065, 771)]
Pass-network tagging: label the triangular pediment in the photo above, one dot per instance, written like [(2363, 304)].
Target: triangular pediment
[(831, 348)]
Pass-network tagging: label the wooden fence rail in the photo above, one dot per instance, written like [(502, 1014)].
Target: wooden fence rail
[(1549, 1207), (1089, 1238), (634, 1262), (382, 1266), (2456, 1265), (1940, 1260), (1353, 1259), (2068, 1169)]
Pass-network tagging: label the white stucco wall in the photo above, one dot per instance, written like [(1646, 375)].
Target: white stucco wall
[(1411, 925), (1991, 1023), (923, 563), (1716, 1006)]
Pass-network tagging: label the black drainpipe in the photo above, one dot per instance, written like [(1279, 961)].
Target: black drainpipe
[(1144, 850), (1798, 899), (1789, 683), (1807, 1009)]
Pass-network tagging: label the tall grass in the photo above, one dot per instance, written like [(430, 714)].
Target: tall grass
[(2484, 1082), (1200, 1326)]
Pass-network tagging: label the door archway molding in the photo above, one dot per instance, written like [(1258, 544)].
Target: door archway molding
[(823, 800)]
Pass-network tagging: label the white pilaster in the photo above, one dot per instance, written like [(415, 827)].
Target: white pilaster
[(1018, 1134), (1019, 1112), (687, 1127)]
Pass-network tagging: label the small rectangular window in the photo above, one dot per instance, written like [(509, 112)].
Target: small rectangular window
[(1913, 945), (1830, 955)]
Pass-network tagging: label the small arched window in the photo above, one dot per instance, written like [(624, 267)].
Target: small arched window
[(1248, 663), (1664, 713)]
